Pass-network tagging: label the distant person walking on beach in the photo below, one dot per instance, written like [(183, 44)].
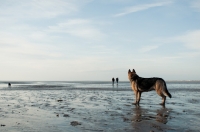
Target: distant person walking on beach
[(113, 80), (117, 80), (9, 84)]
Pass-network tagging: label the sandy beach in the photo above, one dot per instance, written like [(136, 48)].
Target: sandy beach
[(83, 109)]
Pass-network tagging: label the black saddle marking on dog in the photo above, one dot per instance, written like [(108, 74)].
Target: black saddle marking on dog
[(145, 83)]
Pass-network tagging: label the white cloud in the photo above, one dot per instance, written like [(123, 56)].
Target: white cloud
[(74, 22), (190, 39), (15, 48), (27, 9), (148, 48), (81, 28), (141, 8), (195, 4), (38, 35), (189, 54)]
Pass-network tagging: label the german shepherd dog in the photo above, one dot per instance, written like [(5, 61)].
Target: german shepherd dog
[(140, 84)]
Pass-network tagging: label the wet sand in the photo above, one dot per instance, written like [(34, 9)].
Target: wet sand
[(97, 110)]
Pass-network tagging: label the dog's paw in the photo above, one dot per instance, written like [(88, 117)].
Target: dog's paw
[(163, 104), (134, 103)]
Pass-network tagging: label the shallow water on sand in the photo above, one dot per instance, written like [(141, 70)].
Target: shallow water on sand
[(96, 106), (105, 85)]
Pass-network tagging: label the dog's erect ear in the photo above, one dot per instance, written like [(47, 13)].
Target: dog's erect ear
[(129, 71), (133, 71)]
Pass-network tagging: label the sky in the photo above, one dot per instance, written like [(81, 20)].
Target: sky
[(96, 40)]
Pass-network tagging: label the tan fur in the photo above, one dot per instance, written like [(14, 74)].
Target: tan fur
[(159, 87)]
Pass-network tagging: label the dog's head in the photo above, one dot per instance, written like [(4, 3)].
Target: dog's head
[(130, 74)]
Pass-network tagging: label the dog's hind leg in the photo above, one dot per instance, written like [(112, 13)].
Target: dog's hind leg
[(159, 87), (163, 100)]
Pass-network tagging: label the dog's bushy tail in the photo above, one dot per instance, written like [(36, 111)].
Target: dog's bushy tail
[(166, 91)]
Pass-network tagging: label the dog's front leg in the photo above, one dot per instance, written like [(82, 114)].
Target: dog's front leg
[(138, 97), (135, 92)]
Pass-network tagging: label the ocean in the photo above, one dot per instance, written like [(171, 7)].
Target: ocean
[(100, 85)]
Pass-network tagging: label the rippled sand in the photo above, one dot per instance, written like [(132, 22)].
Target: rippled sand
[(97, 110)]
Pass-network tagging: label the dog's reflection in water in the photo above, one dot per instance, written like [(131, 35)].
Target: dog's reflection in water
[(144, 114)]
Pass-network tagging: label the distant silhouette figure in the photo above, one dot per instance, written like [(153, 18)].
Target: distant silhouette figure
[(113, 80), (9, 84), (117, 80)]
